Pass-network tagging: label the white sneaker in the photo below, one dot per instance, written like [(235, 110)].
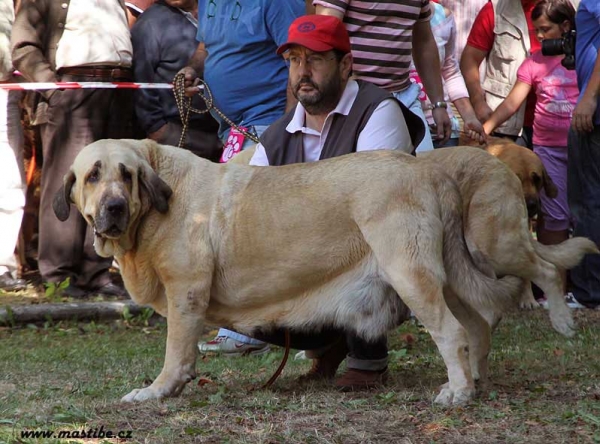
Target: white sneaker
[(300, 355), (232, 348), (572, 302)]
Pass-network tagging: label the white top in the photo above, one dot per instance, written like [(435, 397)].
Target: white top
[(96, 33), (7, 15), (386, 129)]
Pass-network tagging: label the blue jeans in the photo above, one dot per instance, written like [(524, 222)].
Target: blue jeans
[(583, 183)]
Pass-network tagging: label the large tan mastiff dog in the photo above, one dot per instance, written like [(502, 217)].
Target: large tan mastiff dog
[(496, 224), (299, 246)]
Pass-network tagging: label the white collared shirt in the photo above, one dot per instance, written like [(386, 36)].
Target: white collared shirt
[(96, 33), (386, 129)]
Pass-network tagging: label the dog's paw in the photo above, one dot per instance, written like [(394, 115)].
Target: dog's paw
[(139, 395), (448, 397), (530, 304), (563, 323)]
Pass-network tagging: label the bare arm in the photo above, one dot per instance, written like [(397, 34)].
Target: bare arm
[(508, 107), (329, 11), (427, 61), (583, 115), (469, 65)]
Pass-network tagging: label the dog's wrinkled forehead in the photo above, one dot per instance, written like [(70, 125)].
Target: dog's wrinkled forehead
[(104, 156)]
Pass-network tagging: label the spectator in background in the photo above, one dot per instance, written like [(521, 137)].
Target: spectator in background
[(12, 174), (556, 92), (385, 38), (584, 151), (464, 12), (163, 41), (56, 41), (504, 36), (444, 31), (335, 115), (237, 57)]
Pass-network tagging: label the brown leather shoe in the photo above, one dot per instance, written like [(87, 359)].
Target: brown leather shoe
[(354, 379), (326, 366)]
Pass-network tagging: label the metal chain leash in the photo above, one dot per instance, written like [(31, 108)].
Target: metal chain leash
[(184, 105)]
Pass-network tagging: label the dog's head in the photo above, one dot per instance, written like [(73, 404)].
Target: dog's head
[(113, 184), (529, 169)]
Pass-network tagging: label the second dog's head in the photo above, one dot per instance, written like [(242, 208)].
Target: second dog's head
[(529, 169)]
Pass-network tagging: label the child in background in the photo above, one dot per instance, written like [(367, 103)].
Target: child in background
[(556, 91)]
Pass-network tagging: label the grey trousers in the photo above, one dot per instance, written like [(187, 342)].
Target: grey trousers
[(75, 118)]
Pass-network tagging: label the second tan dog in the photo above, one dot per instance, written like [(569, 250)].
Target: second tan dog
[(496, 224)]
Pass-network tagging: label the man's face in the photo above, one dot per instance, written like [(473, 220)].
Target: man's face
[(317, 79)]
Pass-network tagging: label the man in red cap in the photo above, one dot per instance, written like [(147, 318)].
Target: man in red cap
[(335, 115)]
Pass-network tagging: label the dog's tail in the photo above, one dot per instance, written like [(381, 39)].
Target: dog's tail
[(469, 274), (567, 254)]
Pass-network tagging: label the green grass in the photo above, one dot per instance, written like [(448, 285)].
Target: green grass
[(544, 389)]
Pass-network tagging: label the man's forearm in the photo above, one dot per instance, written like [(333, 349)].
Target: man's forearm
[(197, 60), (427, 62), (469, 66)]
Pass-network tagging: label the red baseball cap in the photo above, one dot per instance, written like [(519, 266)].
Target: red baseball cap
[(318, 33)]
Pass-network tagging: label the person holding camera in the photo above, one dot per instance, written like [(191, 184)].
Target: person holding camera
[(555, 87), (584, 151)]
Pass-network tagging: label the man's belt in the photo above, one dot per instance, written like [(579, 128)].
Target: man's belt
[(100, 72)]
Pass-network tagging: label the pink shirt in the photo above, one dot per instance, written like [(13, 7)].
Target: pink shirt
[(556, 90)]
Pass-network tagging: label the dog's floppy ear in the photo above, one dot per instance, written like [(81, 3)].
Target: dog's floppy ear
[(157, 189), (549, 186), (62, 199)]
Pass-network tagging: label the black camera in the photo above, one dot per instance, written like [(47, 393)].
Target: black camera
[(565, 45)]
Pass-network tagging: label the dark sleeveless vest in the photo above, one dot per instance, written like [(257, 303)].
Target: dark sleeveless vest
[(284, 148)]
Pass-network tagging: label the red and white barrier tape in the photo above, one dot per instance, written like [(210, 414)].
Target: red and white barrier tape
[(83, 85)]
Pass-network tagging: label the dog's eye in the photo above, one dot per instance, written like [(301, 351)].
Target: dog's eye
[(125, 173), (537, 180), (93, 176)]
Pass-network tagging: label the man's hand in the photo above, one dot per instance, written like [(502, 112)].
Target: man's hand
[(583, 115), (443, 125), (191, 80), (475, 130)]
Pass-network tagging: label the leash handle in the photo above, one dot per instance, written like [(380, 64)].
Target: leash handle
[(184, 105)]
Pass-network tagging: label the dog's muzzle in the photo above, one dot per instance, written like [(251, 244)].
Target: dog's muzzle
[(112, 217), (533, 206)]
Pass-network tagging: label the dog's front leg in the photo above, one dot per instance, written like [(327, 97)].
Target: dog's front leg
[(185, 318)]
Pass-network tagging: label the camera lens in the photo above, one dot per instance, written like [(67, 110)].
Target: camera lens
[(552, 47)]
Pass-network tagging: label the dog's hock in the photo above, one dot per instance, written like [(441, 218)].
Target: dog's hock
[(62, 199)]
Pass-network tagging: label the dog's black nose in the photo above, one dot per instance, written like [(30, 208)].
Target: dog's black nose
[(115, 207)]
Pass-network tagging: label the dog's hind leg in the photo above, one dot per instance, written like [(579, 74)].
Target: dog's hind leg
[(546, 276), (422, 292), (479, 334)]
